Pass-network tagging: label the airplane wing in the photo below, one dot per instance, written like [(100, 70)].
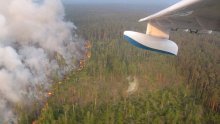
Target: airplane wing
[(195, 15)]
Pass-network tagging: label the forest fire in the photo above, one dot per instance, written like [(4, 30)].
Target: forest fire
[(88, 45), (82, 61), (122, 84), (87, 55), (49, 94), (37, 47)]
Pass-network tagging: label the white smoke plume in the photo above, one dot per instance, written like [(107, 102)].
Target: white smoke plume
[(36, 44), (133, 85)]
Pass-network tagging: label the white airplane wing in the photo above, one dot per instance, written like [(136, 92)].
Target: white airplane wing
[(194, 15)]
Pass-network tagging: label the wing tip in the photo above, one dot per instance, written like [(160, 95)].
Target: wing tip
[(148, 42)]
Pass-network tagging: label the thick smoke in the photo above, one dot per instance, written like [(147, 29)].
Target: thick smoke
[(36, 45)]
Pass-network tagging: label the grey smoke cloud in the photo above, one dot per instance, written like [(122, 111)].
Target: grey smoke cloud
[(32, 35)]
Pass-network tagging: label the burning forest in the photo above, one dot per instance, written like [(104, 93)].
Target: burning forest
[(36, 46)]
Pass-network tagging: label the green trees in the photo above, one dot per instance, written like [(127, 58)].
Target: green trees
[(162, 106), (199, 63), (182, 89)]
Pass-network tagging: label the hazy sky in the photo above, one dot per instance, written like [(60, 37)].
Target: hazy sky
[(124, 1)]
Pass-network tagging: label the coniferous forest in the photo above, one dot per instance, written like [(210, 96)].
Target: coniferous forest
[(117, 83)]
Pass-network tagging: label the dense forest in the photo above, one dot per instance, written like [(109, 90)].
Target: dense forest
[(166, 89)]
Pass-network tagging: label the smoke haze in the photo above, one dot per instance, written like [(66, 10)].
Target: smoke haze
[(36, 44)]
